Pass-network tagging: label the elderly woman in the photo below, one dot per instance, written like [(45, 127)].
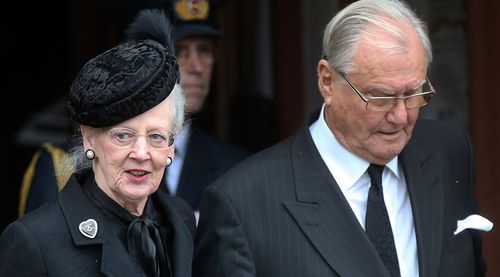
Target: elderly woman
[(111, 219)]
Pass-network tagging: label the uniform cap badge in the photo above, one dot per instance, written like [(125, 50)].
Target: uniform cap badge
[(192, 9)]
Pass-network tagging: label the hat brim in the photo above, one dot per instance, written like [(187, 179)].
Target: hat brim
[(194, 29)]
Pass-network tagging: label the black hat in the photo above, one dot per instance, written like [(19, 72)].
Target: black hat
[(128, 79), (194, 17)]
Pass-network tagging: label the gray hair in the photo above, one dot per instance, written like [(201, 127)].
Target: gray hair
[(178, 103), (344, 32), (76, 160)]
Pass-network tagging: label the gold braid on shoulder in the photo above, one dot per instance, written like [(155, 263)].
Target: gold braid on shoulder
[(57, 155)]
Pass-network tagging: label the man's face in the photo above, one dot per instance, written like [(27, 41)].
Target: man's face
[(196, 59), (375, 136)]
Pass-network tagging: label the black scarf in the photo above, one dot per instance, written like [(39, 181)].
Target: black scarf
[(143, 235)]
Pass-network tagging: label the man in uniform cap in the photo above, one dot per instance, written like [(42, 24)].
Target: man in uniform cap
[(200, 157)]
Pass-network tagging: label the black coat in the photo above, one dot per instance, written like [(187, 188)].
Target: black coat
[(48, 242)]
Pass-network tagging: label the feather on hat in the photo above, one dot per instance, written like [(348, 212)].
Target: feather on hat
[(128, 79)]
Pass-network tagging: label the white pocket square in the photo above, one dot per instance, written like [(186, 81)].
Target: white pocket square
[(474, 221)]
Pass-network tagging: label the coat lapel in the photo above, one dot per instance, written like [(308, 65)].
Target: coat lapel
[(323, 214), (421, 170), (77, 208)]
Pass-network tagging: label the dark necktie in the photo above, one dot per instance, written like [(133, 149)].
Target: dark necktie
[(378, 226)]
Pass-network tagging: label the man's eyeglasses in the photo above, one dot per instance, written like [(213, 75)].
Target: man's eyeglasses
[(418, 98), (125, 137), (203, 51)]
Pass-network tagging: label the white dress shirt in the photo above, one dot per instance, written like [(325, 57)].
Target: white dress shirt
[(350, 174), (173, 172)]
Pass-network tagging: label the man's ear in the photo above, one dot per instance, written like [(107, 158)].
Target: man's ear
[(326, 80)]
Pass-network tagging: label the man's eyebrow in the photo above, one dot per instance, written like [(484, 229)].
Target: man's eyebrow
[(381, 88), (390, 91), (419, 84)]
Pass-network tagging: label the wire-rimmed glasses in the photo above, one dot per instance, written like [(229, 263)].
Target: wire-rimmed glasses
[(126, 137), (418, 98)]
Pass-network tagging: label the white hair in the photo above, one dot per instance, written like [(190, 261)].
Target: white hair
[(344, 32)]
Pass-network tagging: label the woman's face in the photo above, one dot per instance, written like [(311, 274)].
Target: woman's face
[(131, 156)]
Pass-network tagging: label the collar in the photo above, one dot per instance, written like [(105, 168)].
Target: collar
[(181, 140), (346, 167)]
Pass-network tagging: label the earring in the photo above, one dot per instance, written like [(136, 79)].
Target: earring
[(169, 161), (89, 154)]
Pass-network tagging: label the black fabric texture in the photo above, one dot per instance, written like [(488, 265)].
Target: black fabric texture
[(143, 236), (121, 83), (128, 79)]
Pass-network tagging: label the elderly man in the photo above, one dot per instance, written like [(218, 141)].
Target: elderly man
[(364, 188)]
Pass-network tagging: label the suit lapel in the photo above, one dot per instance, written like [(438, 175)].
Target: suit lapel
[(323, 214), (421, 170), (77, 208)]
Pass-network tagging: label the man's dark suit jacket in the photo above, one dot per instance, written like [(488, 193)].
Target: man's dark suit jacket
[(281, 213), (47, 241), (205, 160)]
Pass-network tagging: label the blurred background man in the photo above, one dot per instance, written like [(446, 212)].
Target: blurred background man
[(200, 157)]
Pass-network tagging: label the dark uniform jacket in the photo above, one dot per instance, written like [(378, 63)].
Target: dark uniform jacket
[(48, 242), (206, 159)]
